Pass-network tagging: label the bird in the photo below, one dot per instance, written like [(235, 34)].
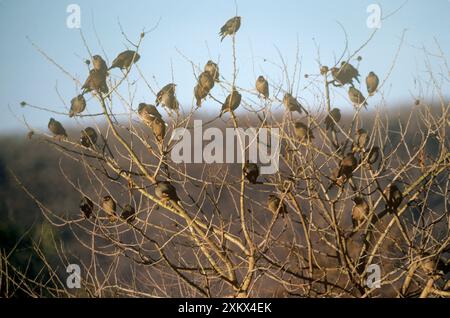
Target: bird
[(292, 103), (230, 27), (109, 206), (96, 81), (99, 64), (303, 132), (232, 102), (128, 213), (77, 105), (251, 171), (276, 206), (56, 128), (356, 97), (159, 129), (125, 59), (88, 137), (337, 179), (373, 155), (348, 165), (338, 76), (212, 69), (262, 86), (360, 211), (372, 83), (86, 207), (165, 191), (199, 94), (206, 81), (361, 140), (148, 113), (350, 72), (333, 116), (166, 96), (394, 198)]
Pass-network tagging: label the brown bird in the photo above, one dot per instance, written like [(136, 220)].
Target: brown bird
[(212, 69), (292, 103), (125, 59), (88, 137), (230, 27), (262, 86), (96, 81), (373, 155), (109, 206), (99, 64), (276, 206), (56, 128), (159, 129), (360, 211), (148, 113), (348, 165), (86, 207), (251, 171), (372, 83), (166, 96), (303, 132), (335, 114), (200, 94), (166, 191), (206, 81), (232, 102), (394, 198), (128, 213), (356, 97), (361, 140), (336, 178), (350, 72), (77, 105)]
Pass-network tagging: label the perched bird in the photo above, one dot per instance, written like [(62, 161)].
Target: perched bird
[(166, 191), (166, 96), (56, 128), (206, 81), (336, 178), (350, 72), (394, 198), (125, 59), (159, 129), (373, 155), (303, 132), (361, 140), (148, 113), (251, 171), (335, 114), (77, 105), (212, 69), (99, 64), (232, 102), (88, 137), (434, 265), (292, 103), (360, 211), (200, 94), (338, 76), (128, 213), (109, 206), (96, 81), (230, 27), (276, 206), (348, 165), (356, 97), (372, 83), (262, 86), (86, 207)]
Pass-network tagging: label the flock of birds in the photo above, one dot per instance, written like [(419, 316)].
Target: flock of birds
[(164, 190)]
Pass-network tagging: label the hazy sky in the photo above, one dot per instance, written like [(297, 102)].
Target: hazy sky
[(192, 27)]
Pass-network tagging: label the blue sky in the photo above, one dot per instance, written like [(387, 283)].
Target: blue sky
[(192, 27)]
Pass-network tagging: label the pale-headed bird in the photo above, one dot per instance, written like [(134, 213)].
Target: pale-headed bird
[(262, 86)]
